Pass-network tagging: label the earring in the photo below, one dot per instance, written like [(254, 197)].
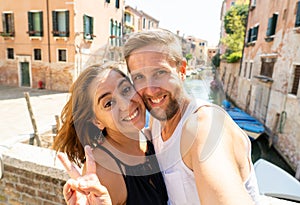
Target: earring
[(98, 139)]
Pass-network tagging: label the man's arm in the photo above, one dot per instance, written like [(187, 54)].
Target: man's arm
[(209, 144)]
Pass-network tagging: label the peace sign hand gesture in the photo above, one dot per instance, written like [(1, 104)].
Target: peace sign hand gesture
[(84, 189)]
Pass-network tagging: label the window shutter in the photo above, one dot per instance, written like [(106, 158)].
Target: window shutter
[(67, 24), (12, 25), (4, 23), (270, 23), (249, 35), (117, 3), (54, 22), (30, 23), (274, 23), (107, 1), (297, 23), (92, 27), (41, 23), (85, 31)]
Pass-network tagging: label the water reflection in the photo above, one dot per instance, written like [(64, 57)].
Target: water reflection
[(205, 85)]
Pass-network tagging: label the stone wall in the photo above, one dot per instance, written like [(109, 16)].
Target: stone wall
[(32, 175)]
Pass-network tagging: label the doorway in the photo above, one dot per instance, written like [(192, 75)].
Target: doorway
[(25, 76)]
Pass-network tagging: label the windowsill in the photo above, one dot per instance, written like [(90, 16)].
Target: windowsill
[(8, 37), (292, 96), (269, 38), (60, 38), (35, 38), (252, 43), (264, 79), (296, 29)]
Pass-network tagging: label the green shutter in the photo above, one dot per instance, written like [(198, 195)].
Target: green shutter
[(85, 31), (91, 27), (41, 23), (30, 23), (54, 23), (12, 25), (297, 23), (67, 24), (117, 3), (274, 23), (249, 35), (270, 22)]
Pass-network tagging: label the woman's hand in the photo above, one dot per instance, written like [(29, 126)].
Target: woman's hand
[(84, 189)]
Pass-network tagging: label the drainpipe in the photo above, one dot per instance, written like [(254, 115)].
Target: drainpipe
[(49, 48)]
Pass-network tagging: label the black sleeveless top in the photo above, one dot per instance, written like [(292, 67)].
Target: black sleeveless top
[(144, 182)]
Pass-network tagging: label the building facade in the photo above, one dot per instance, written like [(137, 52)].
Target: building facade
[(46, 44), (268, 78)]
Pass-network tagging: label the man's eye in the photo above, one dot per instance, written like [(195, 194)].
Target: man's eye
[(160, 72), (137, 77)]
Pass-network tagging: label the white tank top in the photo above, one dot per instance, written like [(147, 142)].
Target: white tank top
[(179, 179)]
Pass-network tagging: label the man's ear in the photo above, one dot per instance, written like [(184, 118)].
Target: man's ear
[(98, 124)]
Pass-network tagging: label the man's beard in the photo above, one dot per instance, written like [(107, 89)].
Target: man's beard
[(161, 114)]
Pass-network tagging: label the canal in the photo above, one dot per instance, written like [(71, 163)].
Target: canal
[(198, 85)]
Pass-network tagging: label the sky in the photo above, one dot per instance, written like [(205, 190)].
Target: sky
[(198, 18)]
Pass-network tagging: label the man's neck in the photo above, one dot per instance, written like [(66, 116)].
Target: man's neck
[(169, 126)]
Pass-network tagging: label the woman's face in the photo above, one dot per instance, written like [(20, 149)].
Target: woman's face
[(117, 106)]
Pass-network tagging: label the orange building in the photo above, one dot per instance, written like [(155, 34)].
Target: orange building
[(47, 43)]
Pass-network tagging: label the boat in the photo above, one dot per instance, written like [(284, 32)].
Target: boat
[(249, 124), (275, 182)]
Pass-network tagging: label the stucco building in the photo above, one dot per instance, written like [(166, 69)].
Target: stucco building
[(48, 43), (267, 82)]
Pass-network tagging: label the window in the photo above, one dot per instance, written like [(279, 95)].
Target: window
[(88, 27), (8, 25), (62, 55), (144, 23), (35, 23), (250, 71), (37, 53), (297, 23), (60, 23), (252, 34), (107, 1), (10, 53), (272, 25), (267, 67), (117, 4), (296, 80), (245, 70), (128, 18)]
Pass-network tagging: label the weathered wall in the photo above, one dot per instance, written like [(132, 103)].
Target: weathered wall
[(31, 176)]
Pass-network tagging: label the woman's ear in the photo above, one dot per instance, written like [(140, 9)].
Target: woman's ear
[(98, 124)]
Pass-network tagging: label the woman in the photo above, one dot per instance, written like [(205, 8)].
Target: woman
[(105, 112)]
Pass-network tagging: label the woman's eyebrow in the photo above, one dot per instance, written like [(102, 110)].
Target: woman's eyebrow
[(122, 82), (102, 96)]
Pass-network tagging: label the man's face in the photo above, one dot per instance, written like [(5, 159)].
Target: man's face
[(156, 80)]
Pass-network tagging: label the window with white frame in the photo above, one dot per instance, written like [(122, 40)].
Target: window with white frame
[(8, 24), (60, 20), (37, 54), (10, 53), (35, 23), (62, 55), (297, 22), (88, 27), (272, 23), (296, 78)]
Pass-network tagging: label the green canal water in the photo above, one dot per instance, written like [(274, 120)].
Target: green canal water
[(198, 85)]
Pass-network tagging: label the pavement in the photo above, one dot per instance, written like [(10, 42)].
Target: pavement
[(15, 121)]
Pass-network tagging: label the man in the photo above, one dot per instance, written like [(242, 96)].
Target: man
[(203, 154)]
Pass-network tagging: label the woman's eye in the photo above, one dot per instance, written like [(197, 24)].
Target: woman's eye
[(108, 104), (126, 90)]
